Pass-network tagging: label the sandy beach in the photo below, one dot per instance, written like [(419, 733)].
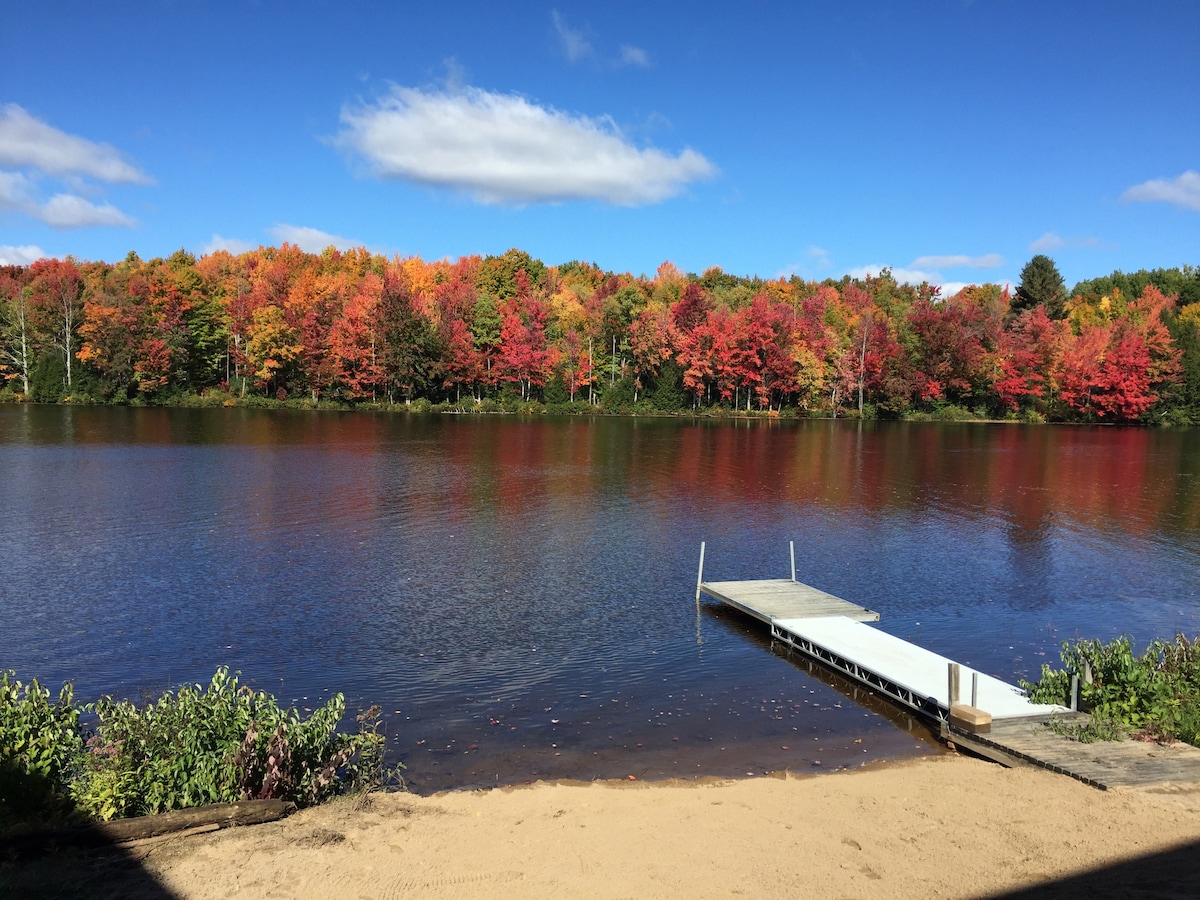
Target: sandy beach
[(950, 826)]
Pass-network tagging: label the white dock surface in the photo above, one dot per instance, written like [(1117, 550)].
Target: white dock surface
[(921, 671)]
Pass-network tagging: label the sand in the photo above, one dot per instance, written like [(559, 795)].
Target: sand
[(937, 827)]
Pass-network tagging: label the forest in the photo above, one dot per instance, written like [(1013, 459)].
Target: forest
[(508, 332)]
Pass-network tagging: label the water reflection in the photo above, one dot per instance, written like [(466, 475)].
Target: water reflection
[(488, 576)]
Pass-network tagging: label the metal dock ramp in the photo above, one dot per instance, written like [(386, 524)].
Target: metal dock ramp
[(910, 675), (835, 633)]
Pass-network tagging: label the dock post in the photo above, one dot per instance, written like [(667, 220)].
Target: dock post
[(700, 574), (792, 548), (1074, 692), (975, 689), (952, 675)]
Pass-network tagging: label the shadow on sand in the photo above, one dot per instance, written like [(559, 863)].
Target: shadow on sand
[(63, 862), (1168, 874)]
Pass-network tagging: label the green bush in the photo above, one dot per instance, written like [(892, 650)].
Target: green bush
[(223, 743), (1154, 695), (40, 744), (197, 745)]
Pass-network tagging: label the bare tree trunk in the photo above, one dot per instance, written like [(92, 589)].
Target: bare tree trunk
[(862, 366), (18, 330)]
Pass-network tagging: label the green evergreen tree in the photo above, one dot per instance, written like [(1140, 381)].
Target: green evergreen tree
[(1042, 284)]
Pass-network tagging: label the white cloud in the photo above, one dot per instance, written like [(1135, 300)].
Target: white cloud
[(987, 261), (231, 245), (1183, 191), (28, 142), (500, 148), (310, 240), (902, 276), (819, 256), (817, 259), (576, 47), (1050, 241), (20, 256), (70, 211), (16, 191), (950, 288), (574, 44), (634, 56), (916, 277)]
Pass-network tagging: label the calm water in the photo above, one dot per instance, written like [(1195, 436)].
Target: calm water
[(519, 595)]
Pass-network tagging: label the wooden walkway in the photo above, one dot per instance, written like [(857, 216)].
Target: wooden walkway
[(1103, 764), (781, 598), (834, 632)]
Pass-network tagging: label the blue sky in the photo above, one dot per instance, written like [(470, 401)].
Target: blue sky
[(948, 140)]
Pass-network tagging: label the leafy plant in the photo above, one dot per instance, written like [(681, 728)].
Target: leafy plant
[(39, 747), (1155, 695), (202, 745), (197, 745)]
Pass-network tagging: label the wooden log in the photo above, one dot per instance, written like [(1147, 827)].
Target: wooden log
[(120, 831), (223, 815)]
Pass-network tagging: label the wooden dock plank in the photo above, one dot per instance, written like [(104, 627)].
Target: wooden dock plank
[(1103, 764), (782, 598)]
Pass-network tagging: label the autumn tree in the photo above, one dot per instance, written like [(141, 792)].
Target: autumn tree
[(1028, 361), (412, 350), (354, 345), (651, 342), (56, 294), (272, 347)]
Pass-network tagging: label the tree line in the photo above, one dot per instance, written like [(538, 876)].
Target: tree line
[(354, 327)]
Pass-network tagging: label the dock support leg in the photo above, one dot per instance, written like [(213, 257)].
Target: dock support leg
[(792, 549), (700, 574)]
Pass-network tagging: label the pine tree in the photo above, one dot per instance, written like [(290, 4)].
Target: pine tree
[(1042, 284)]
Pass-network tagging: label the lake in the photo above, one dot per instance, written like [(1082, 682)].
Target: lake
[(519, 594)]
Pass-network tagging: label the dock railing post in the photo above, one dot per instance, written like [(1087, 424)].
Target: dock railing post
[(792, 550), (700, 574), (952, 676), (975, 689)]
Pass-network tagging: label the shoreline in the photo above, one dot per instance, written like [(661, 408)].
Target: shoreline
[(945, 826)]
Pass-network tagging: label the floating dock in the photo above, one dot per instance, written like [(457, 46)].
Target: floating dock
[(1016, 731)]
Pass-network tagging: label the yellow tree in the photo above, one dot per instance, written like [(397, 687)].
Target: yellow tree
[(272, 347)]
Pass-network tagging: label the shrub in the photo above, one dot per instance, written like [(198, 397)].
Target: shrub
[(1154, 695), (193, 746), (220, 744), (39, 747)]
